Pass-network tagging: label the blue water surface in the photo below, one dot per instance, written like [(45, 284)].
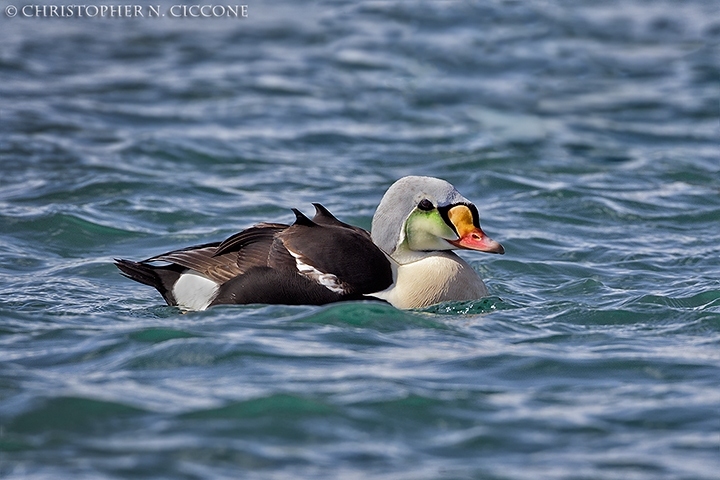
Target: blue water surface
[(587, 133)]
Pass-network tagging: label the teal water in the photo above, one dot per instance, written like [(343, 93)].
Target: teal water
[(588, 134)]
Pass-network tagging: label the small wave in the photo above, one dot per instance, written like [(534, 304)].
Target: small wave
[(70, 414), (159, 335), (373, 315), (62, 231), (708, 300), (471, 307), (274, 405)]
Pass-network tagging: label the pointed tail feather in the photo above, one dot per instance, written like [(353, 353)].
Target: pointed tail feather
[(161, 278)]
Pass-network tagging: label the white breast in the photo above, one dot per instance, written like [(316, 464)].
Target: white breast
[(440, 277)]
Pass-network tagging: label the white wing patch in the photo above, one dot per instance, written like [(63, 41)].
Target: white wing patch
[(193, 291), (327, 280)]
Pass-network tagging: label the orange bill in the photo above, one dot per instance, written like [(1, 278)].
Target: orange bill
[(471, 236)]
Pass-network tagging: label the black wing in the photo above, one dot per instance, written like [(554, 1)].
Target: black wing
[(310, 262), (331, 247)]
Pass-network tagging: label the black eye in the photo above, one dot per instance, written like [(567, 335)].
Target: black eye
[(425, 205)]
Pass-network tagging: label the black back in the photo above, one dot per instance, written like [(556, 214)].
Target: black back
[(316, 261)]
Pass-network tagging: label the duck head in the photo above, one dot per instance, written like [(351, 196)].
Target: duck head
[(426, 214)]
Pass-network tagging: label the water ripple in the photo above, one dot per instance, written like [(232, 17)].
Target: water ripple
[(586, 135)]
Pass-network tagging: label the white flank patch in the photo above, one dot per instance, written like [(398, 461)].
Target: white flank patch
[(327, 280), (193, 291)]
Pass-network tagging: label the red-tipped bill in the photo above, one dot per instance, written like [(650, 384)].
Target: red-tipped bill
[(471, 236), (477, 240)]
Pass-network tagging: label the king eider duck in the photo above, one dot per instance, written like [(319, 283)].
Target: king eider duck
[(407, 261)]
